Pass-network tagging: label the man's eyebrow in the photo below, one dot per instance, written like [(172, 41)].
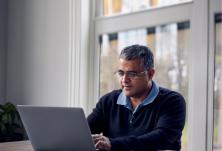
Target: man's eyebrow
[(119, 70)]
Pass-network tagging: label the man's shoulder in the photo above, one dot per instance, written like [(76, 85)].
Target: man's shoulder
[(169, 99), (111, 96), (166, 91), (167, 94)]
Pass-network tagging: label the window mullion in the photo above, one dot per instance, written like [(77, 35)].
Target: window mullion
[(141, 19)]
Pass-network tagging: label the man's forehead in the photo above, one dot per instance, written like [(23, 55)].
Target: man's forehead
[(131, 60), (130, 64)]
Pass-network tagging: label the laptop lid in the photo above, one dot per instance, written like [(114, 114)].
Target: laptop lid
[(56, 128)]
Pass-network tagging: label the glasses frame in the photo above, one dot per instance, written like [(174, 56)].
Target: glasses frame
[(130, 74)]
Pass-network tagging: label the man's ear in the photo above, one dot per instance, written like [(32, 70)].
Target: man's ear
[(151, 73)]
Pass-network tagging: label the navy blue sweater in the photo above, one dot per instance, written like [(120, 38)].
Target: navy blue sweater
[(155, 126)]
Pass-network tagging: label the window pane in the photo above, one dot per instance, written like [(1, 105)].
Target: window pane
[(218, 85), (112, 7), (169, 44)]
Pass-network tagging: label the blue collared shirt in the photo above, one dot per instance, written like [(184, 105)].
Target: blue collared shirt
[(124, 100)]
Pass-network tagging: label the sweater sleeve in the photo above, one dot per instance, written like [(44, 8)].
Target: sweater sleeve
[(168, 130)]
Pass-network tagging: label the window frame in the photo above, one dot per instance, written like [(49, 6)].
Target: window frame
[(213, 9)]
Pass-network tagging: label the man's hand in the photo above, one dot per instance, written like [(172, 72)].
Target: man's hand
[(101, 142)]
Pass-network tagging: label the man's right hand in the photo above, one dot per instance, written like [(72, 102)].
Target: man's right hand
[(101, 142)]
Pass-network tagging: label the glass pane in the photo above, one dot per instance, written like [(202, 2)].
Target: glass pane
[(218, 85), (169, 44), (112, 7)]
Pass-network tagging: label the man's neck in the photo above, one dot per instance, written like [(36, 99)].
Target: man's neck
[(135, 101)]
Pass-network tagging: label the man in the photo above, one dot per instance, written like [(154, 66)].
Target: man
[(141, 116)]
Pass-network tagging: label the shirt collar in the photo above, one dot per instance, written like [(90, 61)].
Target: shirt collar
[(125, 101)]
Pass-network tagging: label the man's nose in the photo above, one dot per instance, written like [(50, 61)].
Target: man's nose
[(125, 78)]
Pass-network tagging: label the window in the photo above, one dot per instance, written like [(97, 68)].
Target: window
[(169, 44)]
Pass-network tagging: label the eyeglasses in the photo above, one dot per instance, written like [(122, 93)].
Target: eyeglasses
[(130, 74)]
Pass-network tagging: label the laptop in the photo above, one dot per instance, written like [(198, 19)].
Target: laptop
[(56, 128)]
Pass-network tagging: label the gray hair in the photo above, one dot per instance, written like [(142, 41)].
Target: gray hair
[(138, 51)]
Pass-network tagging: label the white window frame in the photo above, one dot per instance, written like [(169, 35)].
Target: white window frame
[(197, 13)]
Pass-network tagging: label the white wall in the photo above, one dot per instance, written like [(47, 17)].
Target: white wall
[(38, 48), (3, 47)]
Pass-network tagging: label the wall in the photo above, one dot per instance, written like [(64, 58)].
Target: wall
[(38, 48), (3, 47)]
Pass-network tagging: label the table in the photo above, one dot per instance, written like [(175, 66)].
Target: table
[(16, 146)]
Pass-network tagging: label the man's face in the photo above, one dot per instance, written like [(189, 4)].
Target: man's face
[(135, 86)]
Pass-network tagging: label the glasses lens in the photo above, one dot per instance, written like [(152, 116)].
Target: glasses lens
[(130, 74), (120, 73)]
